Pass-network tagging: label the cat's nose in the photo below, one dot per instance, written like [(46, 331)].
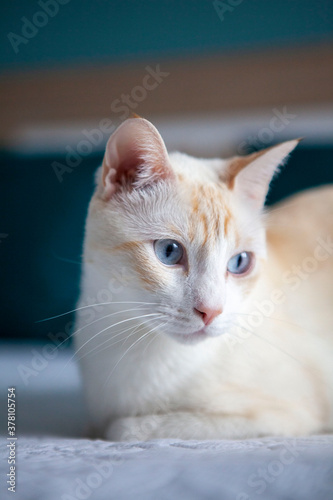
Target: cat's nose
[(208, 314)]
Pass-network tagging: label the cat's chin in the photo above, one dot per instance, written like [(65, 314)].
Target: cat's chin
[(191, 338)]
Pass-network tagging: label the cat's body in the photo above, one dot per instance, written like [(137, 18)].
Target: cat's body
[(214, 354)]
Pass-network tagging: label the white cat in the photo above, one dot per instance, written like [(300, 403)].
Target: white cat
[(210, 332)]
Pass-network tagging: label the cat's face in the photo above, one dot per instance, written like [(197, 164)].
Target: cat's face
[(188, 232)]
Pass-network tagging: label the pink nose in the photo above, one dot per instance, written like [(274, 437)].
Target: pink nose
[(208, 314)]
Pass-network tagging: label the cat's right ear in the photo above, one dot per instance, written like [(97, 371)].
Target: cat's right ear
[(135, 156)]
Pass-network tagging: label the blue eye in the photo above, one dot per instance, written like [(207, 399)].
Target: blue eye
[(169, 252), (240, 263)]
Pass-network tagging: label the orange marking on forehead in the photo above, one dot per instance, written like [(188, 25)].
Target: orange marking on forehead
[(217, 226), (204, 218), (195, 200), (191, 231), (208, 204), (227, 220)]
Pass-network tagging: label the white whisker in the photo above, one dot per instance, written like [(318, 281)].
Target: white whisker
[(108, 327), (96, 320), (127, 350), (93, 305), (97, 350), (154, 337)]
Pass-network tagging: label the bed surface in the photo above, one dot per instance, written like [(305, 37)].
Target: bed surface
[(54, 468), (54, 461)]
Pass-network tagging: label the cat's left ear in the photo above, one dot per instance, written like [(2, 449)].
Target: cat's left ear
[(250, 176), (135, 156)]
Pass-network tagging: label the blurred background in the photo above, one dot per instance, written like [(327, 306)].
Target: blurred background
[(215, 77)]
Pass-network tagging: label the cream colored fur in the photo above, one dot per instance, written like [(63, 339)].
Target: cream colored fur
[(264, 365)]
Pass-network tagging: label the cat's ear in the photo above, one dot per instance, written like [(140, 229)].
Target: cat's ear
[(249, 176), (135, 156)]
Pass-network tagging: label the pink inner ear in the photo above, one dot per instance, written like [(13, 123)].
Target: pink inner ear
[(127, 169), (136, 154)]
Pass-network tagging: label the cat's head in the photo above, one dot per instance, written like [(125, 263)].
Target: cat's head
[(188, 231)]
